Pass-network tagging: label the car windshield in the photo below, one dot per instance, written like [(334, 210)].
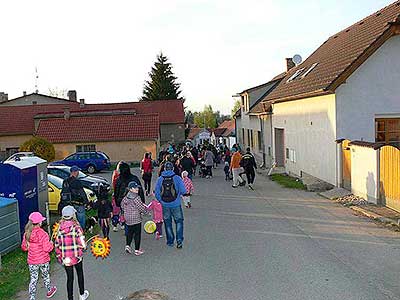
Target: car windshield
[(56, 181), (82, 175)]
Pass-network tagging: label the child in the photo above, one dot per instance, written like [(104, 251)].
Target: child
[(156, 207), (116, 210), (104, 211), (189, 189), (227, 171), (36, 242), (133, 208), (69, 246)]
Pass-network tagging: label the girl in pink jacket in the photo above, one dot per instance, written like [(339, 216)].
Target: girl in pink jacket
[(36, 242), (156, 207)]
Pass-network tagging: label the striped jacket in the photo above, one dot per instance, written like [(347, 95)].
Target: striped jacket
[(69, 243)]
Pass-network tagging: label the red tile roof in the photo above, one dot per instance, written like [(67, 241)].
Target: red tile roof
[(20, 119), (193, 132), (227, 124), (218, 131), (104, 128), (339, 56)]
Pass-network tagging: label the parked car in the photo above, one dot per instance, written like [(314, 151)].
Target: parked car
[(55, 186), (88, 161), (88, 181), (17, 155)]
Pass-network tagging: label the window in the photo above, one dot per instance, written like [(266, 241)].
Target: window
[(269, 151), (309, 70), (85, 148), (295, 75), (387, 131), (242, 136), (71, 157), (287, 153)]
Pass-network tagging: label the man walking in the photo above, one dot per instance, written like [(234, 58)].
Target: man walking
[(187, 164), (248, 163), (169, 189), (235, 168), (72, 193)]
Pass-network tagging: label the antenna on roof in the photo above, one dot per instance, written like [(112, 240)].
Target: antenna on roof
[(36, 80), (297, 59)]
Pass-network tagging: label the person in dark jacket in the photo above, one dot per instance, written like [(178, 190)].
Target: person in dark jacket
[(187, 164), (72, 193), (122, 184), (248, 163), (104, 211)]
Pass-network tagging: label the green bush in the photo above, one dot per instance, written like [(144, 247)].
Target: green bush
[(41, 147)]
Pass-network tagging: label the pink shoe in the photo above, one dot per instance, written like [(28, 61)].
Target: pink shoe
[(139, 252), (157, 235), (52, 291)]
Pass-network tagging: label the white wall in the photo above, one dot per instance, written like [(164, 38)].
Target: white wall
[(364, 173), (266, 119), (310, 130), (372, 90)]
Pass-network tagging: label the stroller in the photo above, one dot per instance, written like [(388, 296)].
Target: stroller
[(203, 169)]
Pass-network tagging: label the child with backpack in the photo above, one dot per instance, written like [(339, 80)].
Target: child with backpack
[(36, 242), (104, 211), (189, 189), (69, 245), (133, 209), (156, 207)]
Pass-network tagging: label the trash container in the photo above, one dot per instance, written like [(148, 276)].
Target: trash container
[(9, 225), (18, 179)]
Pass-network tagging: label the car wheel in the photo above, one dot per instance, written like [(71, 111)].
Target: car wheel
[(91, 169)]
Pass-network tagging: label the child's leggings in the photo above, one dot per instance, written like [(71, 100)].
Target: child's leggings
[(34, 271), (105, 227), (70, 279), (135, 233), (159, 228)]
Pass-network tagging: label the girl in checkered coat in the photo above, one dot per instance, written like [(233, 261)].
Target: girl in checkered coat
[(189, 189)]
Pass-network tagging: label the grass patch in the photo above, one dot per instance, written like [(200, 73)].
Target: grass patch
[(288, 181), (14, 275)]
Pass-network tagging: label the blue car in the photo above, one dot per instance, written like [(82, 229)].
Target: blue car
[(90, 162)]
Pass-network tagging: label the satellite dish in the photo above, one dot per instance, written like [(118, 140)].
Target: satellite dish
[(297, 59)]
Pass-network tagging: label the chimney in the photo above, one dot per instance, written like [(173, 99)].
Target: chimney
[(81, 103), (24, 93), (67, 113), (289, 63), (72, 96), (3, 97)]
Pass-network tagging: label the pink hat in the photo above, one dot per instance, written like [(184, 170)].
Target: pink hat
[(36, 217)]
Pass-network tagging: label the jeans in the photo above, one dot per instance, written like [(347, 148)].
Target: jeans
[(81, 216), (209, 170), (177, 214), (70, 279)]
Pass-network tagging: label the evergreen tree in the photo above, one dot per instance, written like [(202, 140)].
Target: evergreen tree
[(162, 84)]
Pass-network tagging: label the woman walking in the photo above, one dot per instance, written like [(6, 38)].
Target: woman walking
[(146, 167), (209, 161)]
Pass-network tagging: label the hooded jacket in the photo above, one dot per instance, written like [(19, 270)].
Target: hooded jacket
[(123, 180), (179, 187), (69, 243), (38, 247)]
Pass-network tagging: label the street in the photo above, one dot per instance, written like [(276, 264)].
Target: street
[(271, 243)]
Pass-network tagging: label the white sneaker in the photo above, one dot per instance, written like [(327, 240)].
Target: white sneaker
[(115, 228), (128, 249), (122, 227), (84, 296)]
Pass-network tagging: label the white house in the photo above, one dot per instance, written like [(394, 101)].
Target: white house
[(349, 88)]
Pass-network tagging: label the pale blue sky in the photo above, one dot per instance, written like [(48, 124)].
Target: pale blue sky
[(104, 49)]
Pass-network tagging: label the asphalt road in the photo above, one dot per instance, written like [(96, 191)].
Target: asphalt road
[(271, 243)]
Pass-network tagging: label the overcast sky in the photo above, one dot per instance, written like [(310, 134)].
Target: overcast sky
[(105, 49)]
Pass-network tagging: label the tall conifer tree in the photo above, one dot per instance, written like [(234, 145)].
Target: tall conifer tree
[(162, 84)]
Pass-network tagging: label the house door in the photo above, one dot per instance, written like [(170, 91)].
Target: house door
[(346, 152), (389, 187), (280, 147)]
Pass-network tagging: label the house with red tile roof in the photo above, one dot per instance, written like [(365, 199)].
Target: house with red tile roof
[(133, 124), (348, 88)]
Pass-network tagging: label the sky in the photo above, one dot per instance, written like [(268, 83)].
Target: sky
[(105, 49)]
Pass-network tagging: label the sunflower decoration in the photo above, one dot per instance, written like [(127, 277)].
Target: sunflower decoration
[(56, 227), (100, 247)]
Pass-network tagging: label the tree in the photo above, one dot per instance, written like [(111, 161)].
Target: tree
[(162, 84), (41, 147), (235, 108), (208, 116)]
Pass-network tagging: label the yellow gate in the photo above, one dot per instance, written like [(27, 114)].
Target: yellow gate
[(389, 188), (346, 181)]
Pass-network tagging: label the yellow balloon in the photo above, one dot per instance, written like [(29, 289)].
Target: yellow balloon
[(150, 227)]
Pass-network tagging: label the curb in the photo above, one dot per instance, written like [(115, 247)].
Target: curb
[(374, 216)]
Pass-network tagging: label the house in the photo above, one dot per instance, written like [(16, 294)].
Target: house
[(36, 98), (199, 136), (347, 89), (20, 122), (228, 136)]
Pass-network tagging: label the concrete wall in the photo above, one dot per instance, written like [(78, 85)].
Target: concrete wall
[(28, 100), (174, 133), (375, 88), (364, 173), (127, 150), (310, 131)]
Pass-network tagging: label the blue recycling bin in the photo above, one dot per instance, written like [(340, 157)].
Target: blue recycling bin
[(18, 179)]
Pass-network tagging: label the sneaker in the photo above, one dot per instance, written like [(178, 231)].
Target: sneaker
[(115, 228), (84, 296), (189, 205), (122, 227), (139, 252), (128, 249), (179, 246), (251, 187), (161, 236), (52, 291), (243, 183), (157, 236)]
